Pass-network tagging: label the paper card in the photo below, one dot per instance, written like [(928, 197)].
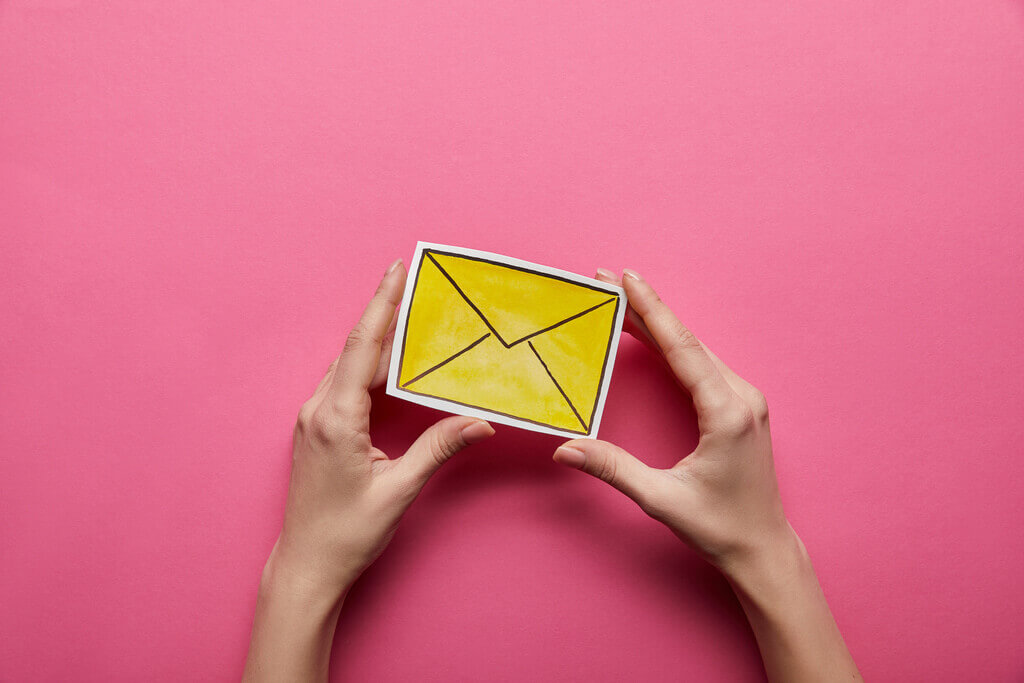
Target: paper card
[(506, 340)]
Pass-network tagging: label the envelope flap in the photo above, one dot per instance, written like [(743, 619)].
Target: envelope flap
[(439, 323), (517, 303)]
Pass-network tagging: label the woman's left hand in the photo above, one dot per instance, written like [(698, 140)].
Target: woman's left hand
[(345, 497)]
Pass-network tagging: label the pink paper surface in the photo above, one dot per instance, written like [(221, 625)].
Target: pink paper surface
[(197, 198)]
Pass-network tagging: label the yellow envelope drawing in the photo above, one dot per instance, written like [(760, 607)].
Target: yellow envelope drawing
[(518, 343)]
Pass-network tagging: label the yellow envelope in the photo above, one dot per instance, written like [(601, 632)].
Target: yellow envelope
[(513, 342)]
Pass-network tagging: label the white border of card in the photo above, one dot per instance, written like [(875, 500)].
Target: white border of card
[(451, 407)]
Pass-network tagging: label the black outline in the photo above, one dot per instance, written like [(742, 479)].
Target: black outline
[(447, 360), (496, 412), (519, 268), (558, 386), (508, 345), (426, 252), (562, 322), (604, 361), (463, 295)]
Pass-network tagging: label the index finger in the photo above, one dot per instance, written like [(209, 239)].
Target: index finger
[(684, 353), (358, 362)]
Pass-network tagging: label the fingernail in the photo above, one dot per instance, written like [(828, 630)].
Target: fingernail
[(572, 457), (478, 431), (392, 267), (631, 274), (606, 274)]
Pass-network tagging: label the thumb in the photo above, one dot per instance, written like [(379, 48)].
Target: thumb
[(610, 464), (440, 442)]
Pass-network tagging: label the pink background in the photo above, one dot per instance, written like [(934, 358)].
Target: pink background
[(196, 199)]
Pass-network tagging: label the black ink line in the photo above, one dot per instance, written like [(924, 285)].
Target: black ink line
[(508, 345), (559, 387), (521, 268), (495, 412), (561, 322), (405, 330), (604, 362), (468, 301), (447, 360)]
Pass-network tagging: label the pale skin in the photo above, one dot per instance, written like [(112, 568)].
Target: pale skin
[(346, 498)]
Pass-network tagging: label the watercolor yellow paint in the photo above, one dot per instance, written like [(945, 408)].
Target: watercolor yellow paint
[(505, 339)]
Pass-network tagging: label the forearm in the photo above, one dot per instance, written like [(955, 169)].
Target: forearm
[(796, 633), (293, 628)]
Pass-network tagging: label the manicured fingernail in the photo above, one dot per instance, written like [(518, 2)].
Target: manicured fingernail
[(572, 457), (478, 431), (393, 266), (631, 274), (606, 274)]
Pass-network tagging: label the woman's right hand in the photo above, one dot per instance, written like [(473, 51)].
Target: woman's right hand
[(723, 498)]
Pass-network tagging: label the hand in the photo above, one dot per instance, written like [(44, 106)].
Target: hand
[(722, 499), (345, 499)]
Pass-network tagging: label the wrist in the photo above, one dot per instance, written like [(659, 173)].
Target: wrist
[(772, 570), (788, 613), (289, 582), (294, 626)]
